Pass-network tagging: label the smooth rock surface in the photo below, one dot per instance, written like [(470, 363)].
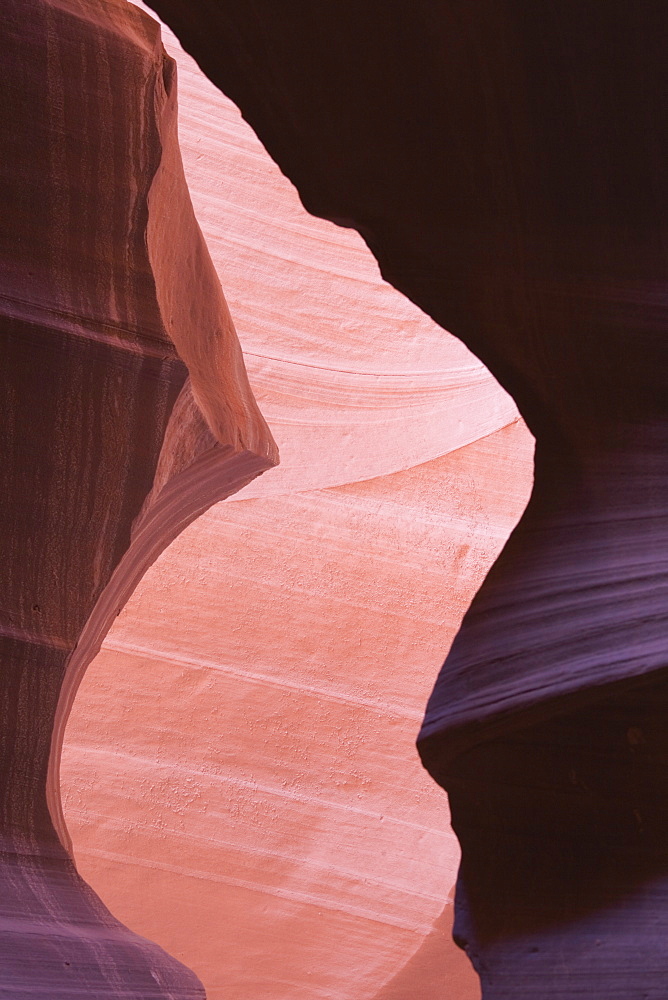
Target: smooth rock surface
[(240, 772)]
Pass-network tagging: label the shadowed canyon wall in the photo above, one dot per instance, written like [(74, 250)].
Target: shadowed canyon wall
[(505, 163), (239, 770), (109, 448)]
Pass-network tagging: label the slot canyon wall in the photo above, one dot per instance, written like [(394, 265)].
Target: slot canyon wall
[(505, 163), (110, 444), (239, 772)]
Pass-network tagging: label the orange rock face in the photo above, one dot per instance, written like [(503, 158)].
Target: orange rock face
[(239, 771)]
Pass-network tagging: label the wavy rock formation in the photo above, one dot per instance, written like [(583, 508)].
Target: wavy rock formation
[(244, 742), (109, 449), (505, 162)]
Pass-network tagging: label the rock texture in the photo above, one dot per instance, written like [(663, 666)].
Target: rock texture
[(239, 769), (239, 772), (505, 163), (109, 450)]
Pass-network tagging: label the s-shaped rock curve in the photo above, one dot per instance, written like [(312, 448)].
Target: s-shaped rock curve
[(505, 162), (109, 448)]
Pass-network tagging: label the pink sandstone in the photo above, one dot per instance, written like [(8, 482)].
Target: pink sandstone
[(241, 782)]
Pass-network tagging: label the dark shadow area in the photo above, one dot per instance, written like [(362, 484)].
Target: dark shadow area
[(564, 831)]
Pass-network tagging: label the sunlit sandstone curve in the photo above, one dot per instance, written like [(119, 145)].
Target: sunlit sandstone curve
[(344, 367), (244, 742), (240, 773)]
